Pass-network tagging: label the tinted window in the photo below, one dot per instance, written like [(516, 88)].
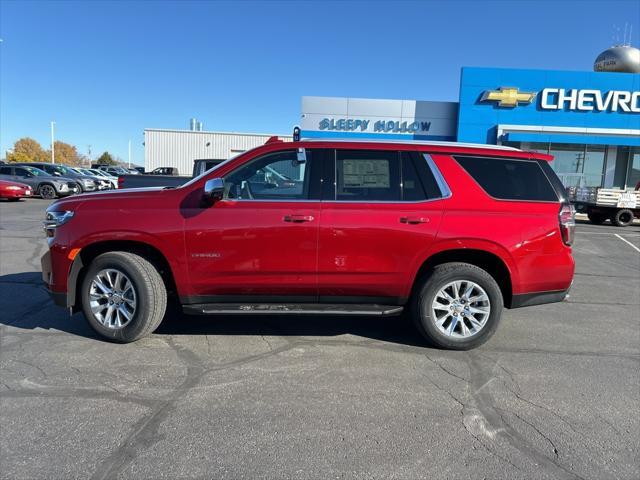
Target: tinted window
[(412, 189), (509, 179), (21, 172), (278, 176), (366, 175), (5, 170), (424, 173)]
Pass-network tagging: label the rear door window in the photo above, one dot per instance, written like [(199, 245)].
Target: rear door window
[(509, 179), (5, 170), (367, 175)]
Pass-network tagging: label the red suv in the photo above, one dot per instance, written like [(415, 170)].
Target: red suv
[(447, 233)]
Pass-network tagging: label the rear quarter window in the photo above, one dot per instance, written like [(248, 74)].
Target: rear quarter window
[(508, 179)]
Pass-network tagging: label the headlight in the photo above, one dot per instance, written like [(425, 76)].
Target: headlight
[(55, 219)]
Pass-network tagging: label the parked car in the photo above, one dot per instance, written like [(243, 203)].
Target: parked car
[(43, 184), (101, 182), (155, 180), (448, 233), (14, 191), (113, 181), (86, 184), (164, 171), (114, 170)]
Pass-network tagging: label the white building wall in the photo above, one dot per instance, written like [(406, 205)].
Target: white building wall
[(179, 148)]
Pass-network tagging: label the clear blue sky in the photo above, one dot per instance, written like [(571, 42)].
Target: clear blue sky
[(104, 71)]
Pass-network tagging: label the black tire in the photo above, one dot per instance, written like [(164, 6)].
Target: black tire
[(150, 293), (597, 218), (47, 191), (622, 217), (425, 293)]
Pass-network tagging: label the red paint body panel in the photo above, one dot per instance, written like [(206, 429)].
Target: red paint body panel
[(342, 249), (13, 190)]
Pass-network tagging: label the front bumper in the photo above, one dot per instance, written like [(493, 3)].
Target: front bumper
[(58, 297)]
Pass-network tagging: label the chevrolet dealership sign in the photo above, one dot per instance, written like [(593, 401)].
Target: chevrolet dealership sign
[(583, 100)]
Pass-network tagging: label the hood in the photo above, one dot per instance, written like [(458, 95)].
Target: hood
[(128, 195)]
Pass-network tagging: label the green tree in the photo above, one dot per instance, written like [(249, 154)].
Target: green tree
[(106, 159), (27, 150)]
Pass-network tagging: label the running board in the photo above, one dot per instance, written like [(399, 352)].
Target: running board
[(291, 308)]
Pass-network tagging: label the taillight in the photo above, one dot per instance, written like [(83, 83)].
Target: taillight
[(567, 220), (120, 182)]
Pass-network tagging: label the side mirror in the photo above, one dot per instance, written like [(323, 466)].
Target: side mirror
[(214, 189)]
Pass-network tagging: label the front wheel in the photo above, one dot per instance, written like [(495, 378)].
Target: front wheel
[(47, 191), (123, 296), (458, 306)]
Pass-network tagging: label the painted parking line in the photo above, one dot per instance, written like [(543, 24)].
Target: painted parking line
[(628, 243), (583, 232)]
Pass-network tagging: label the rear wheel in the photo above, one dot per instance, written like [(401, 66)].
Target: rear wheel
[(622, 218), (123, 296), (47, 191), (597, 218), (458, 306)]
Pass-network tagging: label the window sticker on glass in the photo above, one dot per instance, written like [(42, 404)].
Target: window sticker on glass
[(366, 173)]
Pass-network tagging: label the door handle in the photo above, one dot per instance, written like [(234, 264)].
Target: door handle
[(414, 220), (298, 218)]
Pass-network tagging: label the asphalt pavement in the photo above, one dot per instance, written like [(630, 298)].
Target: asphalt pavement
[(554, 394)]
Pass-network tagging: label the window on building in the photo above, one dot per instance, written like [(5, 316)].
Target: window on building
[(634, 171), (593, 165), (509, 179)]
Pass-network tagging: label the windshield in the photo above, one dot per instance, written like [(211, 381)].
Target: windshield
[(62, 170), (36, 171), (195, 179)]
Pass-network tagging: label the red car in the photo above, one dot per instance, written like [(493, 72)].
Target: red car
[(14, 191), (448, 233)]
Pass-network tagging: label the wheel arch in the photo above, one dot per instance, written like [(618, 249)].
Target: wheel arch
[(92, 250), (488, 261)]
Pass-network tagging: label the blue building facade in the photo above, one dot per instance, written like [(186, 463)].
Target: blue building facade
[(589, 121)]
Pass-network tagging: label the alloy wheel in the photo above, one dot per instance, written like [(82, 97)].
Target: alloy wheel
[(460, 309), (47, 191), (112, 298)]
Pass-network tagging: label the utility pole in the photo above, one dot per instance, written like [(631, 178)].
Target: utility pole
[(53, 153), (129, 153)]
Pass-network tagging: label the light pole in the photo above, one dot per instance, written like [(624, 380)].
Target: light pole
[(53, 152)]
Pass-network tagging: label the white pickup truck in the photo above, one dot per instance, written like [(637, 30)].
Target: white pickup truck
[(619, 206)]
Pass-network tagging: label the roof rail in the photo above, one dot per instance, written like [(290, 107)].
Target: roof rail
[(411, 142)]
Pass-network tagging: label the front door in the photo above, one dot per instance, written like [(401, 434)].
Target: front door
[(376, 225), (261, 239)]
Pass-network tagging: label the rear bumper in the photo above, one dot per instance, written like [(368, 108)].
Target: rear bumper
[(538, 298)]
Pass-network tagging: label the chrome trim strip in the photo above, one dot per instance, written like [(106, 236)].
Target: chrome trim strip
[(445, 191)]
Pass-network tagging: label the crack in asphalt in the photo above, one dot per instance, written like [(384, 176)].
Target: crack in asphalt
[(144, 433)]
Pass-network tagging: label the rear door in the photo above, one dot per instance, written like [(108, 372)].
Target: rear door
[(379, 215)]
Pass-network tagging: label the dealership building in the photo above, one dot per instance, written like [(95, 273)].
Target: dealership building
[(589, 121)]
